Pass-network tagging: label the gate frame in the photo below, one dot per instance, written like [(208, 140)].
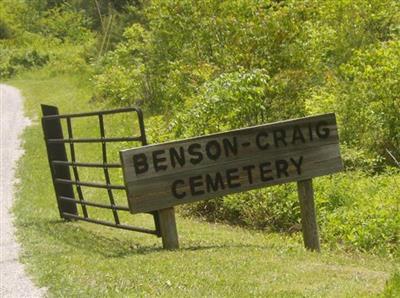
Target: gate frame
[(61, 174)]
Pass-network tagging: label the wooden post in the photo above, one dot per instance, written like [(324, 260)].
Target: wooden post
[(308, 217), (169, 233)]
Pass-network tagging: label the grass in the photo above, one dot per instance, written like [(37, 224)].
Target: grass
[(78, 259)]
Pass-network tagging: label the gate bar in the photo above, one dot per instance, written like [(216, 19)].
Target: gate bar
[(105, 112), (89, 184), (74, 168), (84, 202), (94, 140), (86, 164), (111, 224)]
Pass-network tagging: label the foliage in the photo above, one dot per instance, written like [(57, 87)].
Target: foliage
[(365, 97), (355, 211), (38, 35), (122, 82), (199, 67), (78, 259), (13, 60), (209, 66), (184, 58), (63, 23), (234, 100)]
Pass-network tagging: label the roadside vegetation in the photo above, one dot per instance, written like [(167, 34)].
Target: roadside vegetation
[(197, 67)]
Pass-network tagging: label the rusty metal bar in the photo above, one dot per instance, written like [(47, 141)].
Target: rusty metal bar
[(89, 184), (74, 168), (86, 164), (110, 224), (94, 204), (106, 112), (94, 140), (106, 173), (141, 127)]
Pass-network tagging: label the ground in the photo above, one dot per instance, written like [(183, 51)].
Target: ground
[(14, 282), (77, 259)]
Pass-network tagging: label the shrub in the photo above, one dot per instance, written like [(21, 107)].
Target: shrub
[(365, 97), (12, 61), (354, 210), (5, 30), (64, 23)]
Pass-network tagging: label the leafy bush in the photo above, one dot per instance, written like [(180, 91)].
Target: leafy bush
[(354, 210), (64, 23), (235, 100), (5, 30), (272, 209), (365, 97), (276, 59), (122, 82), (13, 61), (57, 37)]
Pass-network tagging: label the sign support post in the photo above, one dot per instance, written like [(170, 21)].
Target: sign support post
[(308, 217), (169, 233)]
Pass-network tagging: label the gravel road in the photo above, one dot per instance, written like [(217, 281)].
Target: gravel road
[(14, 282)]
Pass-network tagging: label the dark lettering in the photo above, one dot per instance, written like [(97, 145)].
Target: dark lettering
[(248, 169), (157, 160), (213, 150), (297, 135), (230, 176), (322, 133), (310, 132), (140, 163), (196, 181), (175, 189), (279, 135), (177, 157), (297, 164), (213, 184), (230, 147), (198, 156), (281, 167), (262, 145), (265, 168)]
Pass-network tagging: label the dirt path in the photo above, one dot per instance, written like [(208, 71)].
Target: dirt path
[(14, 282)]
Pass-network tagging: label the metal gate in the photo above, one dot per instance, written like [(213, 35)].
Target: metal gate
[(66, 186)]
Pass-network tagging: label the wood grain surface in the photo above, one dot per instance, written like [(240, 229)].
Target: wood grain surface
[(164, 175)]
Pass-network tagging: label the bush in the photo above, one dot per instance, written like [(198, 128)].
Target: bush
[(365, 97), (64, 23), (354, 210), (12, 61), (5, 30), (122, 81), (58, 37), (273, 209)]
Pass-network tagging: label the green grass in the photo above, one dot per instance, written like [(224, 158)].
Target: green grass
[(77, 259)]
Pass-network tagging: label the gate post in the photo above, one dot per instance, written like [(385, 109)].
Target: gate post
[(308, 217), (52, 129), (169, 233)]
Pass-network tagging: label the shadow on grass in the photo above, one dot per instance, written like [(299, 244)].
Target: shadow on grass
[(88, 239)]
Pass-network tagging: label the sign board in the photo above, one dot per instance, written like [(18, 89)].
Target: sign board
[(164, 175)]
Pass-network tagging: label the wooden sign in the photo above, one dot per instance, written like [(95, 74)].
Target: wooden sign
[(164, 175)]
